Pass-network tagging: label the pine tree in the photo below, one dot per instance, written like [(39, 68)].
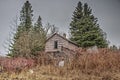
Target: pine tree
[(26, 15), (38, 24), (20, 45), (38, 36), (28, 39), (84, 28)]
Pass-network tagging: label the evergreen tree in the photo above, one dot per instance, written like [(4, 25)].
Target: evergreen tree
[(78, 12), (38, 36), (38, 24), (84, 28), (20, 45), (26, 15), (28, 39)]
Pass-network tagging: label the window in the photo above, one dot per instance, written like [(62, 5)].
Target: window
[(55, 44)]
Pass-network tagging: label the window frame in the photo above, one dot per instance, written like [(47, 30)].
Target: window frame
[(56, 44)]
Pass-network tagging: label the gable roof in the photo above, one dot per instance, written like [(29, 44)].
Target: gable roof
[(63, 38)]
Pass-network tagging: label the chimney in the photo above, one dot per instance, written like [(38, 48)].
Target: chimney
[(64, 35)]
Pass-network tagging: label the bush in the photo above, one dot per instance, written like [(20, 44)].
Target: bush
[(16, 64)]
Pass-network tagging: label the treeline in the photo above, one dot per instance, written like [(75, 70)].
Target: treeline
[(29, 39)]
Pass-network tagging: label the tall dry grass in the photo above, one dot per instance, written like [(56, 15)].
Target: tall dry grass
[(105, 60), (85, 62), (104, 65)]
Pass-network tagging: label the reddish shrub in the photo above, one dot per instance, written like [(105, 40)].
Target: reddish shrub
[(16, 64)]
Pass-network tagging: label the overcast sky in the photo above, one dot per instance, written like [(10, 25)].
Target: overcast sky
[(59, 12)]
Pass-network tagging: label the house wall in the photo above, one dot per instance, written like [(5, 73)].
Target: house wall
[(49, 47), (72, 46)]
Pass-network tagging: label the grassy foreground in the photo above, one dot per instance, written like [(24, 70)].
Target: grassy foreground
[(104, 65), (53, 73)]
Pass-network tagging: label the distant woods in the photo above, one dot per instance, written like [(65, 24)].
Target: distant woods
[(29, 38)]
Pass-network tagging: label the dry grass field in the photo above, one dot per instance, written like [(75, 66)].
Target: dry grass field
[(104, 65)]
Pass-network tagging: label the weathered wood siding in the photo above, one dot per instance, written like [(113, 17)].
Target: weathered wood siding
[(49, 47), (72, 46)]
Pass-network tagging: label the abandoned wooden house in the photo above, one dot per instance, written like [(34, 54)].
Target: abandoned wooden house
[(58, 44)]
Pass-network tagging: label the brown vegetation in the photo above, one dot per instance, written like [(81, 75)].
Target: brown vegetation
[(83, 66), (15, 64)]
